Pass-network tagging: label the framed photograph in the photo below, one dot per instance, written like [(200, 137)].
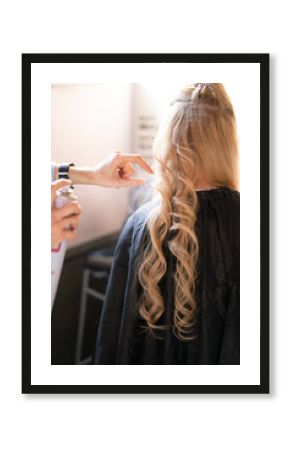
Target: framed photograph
[(145, 223)]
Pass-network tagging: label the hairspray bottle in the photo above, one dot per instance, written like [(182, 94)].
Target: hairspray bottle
[(64, 196)]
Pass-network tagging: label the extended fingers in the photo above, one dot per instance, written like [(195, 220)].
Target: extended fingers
[(125, 158), (130, 182)]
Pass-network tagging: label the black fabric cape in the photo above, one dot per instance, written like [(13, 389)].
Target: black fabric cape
[(122, 338)]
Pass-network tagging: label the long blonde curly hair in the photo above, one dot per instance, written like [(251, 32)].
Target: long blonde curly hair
[(198, 137)]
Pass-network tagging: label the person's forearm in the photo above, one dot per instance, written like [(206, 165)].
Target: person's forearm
[(82, 175), (114, 171), (78, 175)]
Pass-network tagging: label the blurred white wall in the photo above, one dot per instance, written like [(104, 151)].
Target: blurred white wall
[(88, 123)]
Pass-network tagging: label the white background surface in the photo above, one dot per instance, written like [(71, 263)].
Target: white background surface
[(204, 421), (242, 82)]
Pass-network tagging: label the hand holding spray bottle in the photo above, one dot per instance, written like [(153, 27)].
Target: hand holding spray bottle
[(64, 196)]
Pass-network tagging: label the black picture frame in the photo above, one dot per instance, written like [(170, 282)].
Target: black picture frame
[(263, 61)]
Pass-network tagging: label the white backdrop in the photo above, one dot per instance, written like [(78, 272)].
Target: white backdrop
[(67, 421)]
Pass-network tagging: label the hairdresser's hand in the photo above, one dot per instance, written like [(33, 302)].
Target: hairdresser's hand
[(116, 170), (64, 220)]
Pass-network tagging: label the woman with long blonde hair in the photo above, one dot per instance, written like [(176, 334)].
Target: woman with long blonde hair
[(173, 293)]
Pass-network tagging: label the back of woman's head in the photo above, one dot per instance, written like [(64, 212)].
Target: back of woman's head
[(201, 129), (196, 144)]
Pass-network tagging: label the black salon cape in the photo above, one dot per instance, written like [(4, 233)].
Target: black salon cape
[(121, 338)]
